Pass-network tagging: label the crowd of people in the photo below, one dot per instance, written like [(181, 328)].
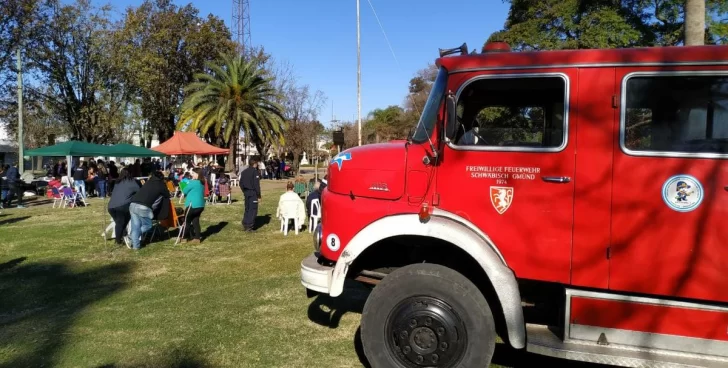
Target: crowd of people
[(135, 202)]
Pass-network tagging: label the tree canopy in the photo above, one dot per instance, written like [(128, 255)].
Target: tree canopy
[(234, 95), (585, 24)]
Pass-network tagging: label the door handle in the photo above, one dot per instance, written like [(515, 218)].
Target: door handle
[(556, 179), (726, 188)]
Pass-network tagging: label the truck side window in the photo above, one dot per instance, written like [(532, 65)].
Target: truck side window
[(514, 112), (676, 114)]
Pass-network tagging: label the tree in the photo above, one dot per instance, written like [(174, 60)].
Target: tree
[(301, 108), (388, 123), (21, 25), (419, 90), (283, 80), (233, 96), (585, 24), (40, 121), (694, 22), (74, 60), (162, 47)]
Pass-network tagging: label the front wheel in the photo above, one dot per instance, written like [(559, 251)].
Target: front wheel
[(427, 315)]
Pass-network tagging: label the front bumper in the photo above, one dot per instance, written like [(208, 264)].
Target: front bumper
[(315, 276)]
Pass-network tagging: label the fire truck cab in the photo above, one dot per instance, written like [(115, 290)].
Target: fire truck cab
[(573, 203)]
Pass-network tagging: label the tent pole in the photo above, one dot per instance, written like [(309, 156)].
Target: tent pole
[(69, 162)]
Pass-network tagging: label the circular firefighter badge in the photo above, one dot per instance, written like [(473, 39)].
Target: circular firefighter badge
[(682, 193)]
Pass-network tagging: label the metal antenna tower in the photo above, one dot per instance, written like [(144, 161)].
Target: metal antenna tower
[(241, 25), (241, 36)]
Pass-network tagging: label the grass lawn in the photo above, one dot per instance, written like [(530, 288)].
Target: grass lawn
[(70, 299)]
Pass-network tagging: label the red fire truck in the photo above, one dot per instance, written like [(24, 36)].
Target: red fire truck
[(573, 203)]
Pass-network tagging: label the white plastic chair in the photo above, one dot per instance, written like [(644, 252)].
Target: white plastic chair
[(314, 219), (289, 211), (111, 227), (212, 198)]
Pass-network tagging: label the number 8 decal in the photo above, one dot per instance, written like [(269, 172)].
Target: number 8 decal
[(333, 242)]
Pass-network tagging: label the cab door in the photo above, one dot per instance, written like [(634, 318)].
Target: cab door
[(511, 170), (669, 199)]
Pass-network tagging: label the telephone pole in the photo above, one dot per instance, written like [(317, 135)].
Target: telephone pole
[(21, 161), (358, 70)]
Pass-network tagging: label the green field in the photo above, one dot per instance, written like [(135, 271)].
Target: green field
[(70, 299)]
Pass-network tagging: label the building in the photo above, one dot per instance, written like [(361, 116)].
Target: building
[(8, 147)]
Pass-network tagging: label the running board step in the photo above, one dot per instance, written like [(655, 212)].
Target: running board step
[(542, 341)]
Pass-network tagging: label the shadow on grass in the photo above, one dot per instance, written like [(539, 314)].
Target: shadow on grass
[(181, 357), (214, 229), (41, 301), (327, 311), (12, 263), (261, 221), (13, 220), (37, 202)]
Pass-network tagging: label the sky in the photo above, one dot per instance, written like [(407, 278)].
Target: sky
[(318, 38)]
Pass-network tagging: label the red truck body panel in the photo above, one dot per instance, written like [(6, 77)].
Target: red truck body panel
[(611, 227)]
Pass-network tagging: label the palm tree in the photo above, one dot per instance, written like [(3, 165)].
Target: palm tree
[(234, 95)]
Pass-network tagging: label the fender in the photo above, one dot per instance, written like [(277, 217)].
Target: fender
[(449, 227)]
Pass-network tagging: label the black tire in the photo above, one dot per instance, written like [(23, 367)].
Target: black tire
[(427, 315)]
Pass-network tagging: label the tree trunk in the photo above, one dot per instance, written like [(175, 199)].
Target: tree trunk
[(230, 164), (694, 22), (295, 164)]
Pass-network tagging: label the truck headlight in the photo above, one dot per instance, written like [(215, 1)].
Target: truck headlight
[(317, 234)]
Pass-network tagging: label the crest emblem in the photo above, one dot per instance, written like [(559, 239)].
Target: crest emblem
[(340, 158), (682, 193), (501, 198)]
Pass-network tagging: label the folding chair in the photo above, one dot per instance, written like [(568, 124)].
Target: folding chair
[(57, 196), (182, 186), (183, 225), (171, 188), (299, 188), (71, 198)]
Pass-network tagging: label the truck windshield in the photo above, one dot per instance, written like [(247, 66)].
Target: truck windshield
[(429, 113)]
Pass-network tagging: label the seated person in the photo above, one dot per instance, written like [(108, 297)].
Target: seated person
[(470, 138), (173, 178), (286, 203), (55, 182), (315, 194)]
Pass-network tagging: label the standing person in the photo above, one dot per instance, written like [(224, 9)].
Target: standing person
[(142, 206), (80, 174), (250, 183), (194, 200), (101, 178), (261, 168), (15, 187), (4, 190), (126, 187)]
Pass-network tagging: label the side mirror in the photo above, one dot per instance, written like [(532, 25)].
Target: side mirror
[(451, 121)]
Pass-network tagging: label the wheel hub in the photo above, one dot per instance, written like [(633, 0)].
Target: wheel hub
[(425, 331)]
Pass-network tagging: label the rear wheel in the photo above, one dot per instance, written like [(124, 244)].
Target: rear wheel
[(427, 315)]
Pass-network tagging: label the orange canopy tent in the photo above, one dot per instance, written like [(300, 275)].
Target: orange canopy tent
[(188, 143)]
